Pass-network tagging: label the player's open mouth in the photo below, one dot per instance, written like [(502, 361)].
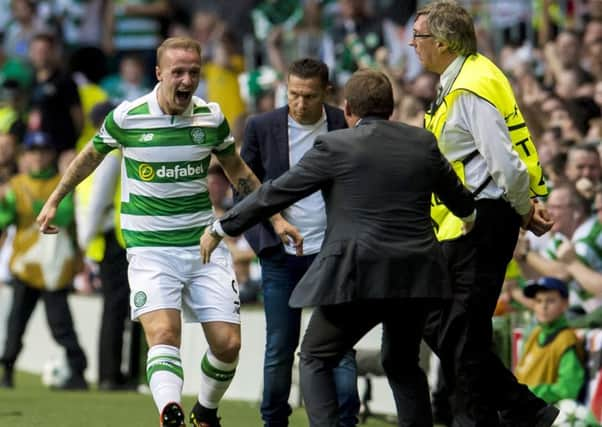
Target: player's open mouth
[(182, 96)]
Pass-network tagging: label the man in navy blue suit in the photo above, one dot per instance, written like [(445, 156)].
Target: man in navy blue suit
[(274, 142)]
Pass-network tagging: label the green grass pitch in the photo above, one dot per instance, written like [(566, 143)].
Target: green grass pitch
[(30, 404)]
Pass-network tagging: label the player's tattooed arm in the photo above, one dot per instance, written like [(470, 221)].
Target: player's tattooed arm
[(246, 185), (239, 174), (81, 166)]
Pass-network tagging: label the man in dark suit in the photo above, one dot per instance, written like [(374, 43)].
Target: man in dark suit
[(380, 261), (274, 142)]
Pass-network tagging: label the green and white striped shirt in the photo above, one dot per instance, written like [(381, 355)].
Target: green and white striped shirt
[(164, 197), (587, 240)]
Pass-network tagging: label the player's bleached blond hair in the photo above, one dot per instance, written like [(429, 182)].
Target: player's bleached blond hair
[(185, 43)]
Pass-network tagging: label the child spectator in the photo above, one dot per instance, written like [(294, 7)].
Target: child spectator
[(43, 266), (551, 362)]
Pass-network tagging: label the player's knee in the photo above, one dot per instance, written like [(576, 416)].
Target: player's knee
[(227, 349)]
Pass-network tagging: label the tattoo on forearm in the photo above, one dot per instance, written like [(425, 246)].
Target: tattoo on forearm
[(78, 170), (246, 185)]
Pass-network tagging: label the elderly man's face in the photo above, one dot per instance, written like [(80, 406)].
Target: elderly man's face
[(424, 44)]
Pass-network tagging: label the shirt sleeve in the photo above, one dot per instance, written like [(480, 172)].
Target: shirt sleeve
[(490, 133), (104, 182), (104, 141), (224, 141), (570, 380), (586, 254)]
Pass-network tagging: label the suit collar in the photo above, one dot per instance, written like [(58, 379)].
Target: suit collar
[(332, 119), (368, 120), (280, 133)]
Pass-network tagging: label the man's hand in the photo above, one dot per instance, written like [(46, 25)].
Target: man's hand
[(46, 217), (467, 226), (288, 233), (566, 253), (538, 220), (209, 242)]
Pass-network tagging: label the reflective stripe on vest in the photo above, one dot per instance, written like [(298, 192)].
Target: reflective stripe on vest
[(492, 86)]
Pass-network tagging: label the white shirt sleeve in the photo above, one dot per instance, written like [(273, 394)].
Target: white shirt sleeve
[(488, 128), (99, 208)]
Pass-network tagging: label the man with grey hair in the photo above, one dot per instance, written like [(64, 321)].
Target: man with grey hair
[(481, 131)]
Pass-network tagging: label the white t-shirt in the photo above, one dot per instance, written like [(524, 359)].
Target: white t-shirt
[(308, 214)]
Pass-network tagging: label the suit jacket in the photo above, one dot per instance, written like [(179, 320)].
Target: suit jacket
[(266, 151), (377, 181)]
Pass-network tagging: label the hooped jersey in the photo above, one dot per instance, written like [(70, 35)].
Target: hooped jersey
[(164, 197)]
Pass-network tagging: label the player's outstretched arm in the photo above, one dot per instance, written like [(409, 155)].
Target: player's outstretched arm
[(82, 166)]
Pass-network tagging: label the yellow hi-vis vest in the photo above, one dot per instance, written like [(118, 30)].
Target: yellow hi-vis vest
[(481, 77)]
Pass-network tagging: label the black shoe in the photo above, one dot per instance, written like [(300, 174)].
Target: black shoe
[(7, 377), (172, 415), (545, 416), (203, 417), (75, 382)]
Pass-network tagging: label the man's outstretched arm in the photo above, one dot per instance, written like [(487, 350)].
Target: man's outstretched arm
[(82, 166), (245, 182)]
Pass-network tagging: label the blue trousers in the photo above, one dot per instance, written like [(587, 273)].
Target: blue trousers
[(280, 274)]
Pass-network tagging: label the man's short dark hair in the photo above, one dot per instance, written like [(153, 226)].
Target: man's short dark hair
[(309, 68), (369, 93)]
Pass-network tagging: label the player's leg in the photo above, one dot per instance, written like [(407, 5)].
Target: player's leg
[(163, 366), (156, 288), (212, 299), (218, 367)]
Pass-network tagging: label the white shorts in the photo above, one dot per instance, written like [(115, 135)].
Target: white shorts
[(175, 278)]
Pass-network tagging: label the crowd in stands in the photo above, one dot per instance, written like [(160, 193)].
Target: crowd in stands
[(59, 60)]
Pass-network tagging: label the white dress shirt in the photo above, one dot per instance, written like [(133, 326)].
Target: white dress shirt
[(475, 124)]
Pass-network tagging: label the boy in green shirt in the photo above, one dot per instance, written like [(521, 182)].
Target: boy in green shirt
[(551, 363), (42, 266)]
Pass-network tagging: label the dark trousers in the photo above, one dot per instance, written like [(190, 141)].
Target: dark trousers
[(335, 329), (59, 320), (461, 334), (280, 274), (115, 292)]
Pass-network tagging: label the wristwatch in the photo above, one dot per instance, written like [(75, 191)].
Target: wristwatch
[(215, 230)]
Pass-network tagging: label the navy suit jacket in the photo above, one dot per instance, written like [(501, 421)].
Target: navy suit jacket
[(265, 149)]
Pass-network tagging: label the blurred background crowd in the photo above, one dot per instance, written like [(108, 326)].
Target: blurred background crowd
[(65, 63)]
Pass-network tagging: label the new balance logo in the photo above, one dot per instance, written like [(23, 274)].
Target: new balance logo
[(146, 137)]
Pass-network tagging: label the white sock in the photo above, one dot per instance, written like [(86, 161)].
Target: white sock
[(216, 376), (164, 374)]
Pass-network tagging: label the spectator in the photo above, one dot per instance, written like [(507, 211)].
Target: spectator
[(21, 29), (221, 77), (130, 83), (570, 213), (55, 104), (43, 266), (551, 363), (583, 161), (99, 237), (136, 30), (583, 262), (356, 36)]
